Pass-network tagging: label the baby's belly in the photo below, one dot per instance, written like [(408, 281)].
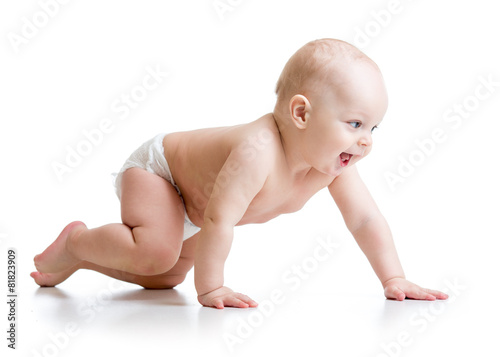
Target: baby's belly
[(254, 213), (258, 214), (197, 216)]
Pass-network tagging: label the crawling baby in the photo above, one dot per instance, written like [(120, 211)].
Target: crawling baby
[(183, 193)]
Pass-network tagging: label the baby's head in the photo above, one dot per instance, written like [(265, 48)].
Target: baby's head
[(334, 95)]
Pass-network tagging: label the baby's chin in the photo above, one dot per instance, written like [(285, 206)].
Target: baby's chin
[(332, 170)]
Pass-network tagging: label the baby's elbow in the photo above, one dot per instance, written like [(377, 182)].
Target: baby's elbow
[(361, 223), (217, 224), (214, 221)]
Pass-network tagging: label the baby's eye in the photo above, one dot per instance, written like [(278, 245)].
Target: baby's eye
[(355, 124), (375, 127)]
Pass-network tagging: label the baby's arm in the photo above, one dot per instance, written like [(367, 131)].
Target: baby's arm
[(236, 185), (373, 235)]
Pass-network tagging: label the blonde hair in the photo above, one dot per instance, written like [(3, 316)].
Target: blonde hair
[(318, 60)]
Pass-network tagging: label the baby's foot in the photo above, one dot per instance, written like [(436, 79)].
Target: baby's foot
[(56, 258), (51, 279)]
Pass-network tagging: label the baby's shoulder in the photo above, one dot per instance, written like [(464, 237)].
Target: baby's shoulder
[(259, 140)]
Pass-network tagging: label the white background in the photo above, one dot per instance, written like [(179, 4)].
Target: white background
[(75, 60)]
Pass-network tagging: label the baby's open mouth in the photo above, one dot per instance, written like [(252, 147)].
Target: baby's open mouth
[(344, 159)]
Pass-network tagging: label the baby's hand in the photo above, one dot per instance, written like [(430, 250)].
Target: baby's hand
[(225, 297), (399, 288)]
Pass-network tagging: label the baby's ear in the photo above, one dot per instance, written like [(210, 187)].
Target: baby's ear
[(299, 110)]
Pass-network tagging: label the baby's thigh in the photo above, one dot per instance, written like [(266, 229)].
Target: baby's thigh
[(150, 204)]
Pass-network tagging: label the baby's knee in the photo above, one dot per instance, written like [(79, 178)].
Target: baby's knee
[(156, 261), (163, 282), (170, 282), (154, 255)]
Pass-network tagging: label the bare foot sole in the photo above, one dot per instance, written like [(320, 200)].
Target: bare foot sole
[(56, 258)]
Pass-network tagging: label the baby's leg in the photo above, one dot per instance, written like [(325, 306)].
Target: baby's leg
[(168, 280), (147, 243), (52, 259)]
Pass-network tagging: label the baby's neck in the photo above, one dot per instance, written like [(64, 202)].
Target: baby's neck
[(289, 139)]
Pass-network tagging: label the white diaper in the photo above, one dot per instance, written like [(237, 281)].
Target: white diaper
[(150, 157)]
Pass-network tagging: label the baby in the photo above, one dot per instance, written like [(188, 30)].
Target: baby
[(182, 193)]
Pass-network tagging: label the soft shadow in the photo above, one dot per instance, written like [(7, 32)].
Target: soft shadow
[(52, 292), (169, 297), (399, 312)]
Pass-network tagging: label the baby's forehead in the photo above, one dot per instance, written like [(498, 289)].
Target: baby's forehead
[(356, 90), (348, 79)]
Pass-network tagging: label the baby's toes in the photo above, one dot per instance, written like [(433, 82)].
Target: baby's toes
[(48, 279)]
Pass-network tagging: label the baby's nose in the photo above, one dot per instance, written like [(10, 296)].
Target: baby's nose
[(365, 142)]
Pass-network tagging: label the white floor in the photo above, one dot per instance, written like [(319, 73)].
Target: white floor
[(124, 320), (335, 309)]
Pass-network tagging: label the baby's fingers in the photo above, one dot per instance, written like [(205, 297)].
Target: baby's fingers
[(239, 300), (234, 300), (400, 289), (223, 296), (438, 294), (250, 302), (426, 294), (420, 294)]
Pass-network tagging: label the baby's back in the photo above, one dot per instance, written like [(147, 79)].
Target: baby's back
[(196, 158)]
